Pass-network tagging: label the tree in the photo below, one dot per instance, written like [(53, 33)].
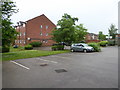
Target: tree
[(8, 31), (112, 31), (64, 32), (80, 32), (101, 36)]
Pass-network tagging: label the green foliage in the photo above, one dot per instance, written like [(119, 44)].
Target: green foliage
[(101, 36), (103, 43), (67, 31), (0, 49), (36, 44), (29, 54), (20, 48), (8, 32), (28, 47), (5, 49), (111, 42), (95, 46), (112, 31), (57, 47), (8, 8), (80, 33)]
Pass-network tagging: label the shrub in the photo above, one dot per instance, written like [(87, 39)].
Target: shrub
[(103, 43), (5, 49), (95, 46), (28, 47), (111, 43), (36, 44), (0, 49), (60, 47), (54, 48), (57, 47)]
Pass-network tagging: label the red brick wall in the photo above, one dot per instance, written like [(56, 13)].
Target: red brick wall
[(33, 29), (20, 39), (89, 41), (89, 38)]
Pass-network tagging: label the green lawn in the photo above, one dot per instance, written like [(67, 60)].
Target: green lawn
[(16, 54)]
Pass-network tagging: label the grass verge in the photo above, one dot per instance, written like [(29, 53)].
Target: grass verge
[(29, 54)]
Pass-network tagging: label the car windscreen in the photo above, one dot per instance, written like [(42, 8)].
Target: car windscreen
[(85, 45)]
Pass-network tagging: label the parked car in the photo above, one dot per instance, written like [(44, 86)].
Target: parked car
[(65, 43), (81, 47), (15, 46)]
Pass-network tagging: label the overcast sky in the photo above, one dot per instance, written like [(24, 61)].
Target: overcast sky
[(96, 15)]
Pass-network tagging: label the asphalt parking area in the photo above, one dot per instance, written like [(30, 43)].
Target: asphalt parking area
[(69, 70)]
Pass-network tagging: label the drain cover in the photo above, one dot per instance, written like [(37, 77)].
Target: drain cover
[(43, 64), (60, 70)]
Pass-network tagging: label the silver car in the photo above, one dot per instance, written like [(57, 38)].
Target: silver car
[(81, 47)]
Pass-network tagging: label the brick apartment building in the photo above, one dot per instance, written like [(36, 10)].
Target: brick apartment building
[(91, 37), (118, 39), (36, 29)]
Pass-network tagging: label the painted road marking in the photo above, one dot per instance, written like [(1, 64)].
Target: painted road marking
[(46, 60), (20, 65), (60, 57)]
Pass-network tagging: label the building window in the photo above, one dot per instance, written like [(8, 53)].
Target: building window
[(15, 41), (46, 34), (41, 34), (24, 42), (46, 27), (43, 41), (17, 34), (23, 25), (24, 34), (20, 41), (40, 26), (46, 41), (20, 34)]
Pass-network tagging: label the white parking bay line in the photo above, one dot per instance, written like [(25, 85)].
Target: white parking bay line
[(20, 65), (60, 57), (46, 60)]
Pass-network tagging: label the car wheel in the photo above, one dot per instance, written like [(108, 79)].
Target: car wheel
[(72, 50), (84, 50)]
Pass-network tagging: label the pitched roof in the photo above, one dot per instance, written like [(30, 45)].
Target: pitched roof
[(40, 16)]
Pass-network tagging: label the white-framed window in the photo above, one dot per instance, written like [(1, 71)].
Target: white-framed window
[(43, 41), (24, 42), (46, 34), (41, 34), (17, 34), (23, 25), (20, 41), (24, 33), (20, 34), (46, 27), (46, 41), (40, 26), (15, 41)]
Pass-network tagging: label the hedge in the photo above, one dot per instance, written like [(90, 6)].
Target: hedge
[(103, 43), (28, 47), (57, 47), (4, 49), (111, 42), (36, 44), (95, 46)]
